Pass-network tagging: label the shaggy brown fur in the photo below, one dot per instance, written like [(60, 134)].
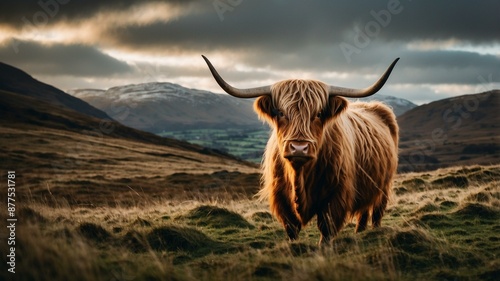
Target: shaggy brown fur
[(354, 148)]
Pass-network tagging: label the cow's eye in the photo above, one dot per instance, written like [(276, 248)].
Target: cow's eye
[(319, 115), (279, 113)]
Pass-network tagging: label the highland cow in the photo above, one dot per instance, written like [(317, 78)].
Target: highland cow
[(326, 156)]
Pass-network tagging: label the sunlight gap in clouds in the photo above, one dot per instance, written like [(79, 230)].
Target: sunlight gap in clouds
[(452, 88), (246, 68), (429, 45), (153, 59), (56, 34), (6, 34), (177, 58), (293, 74), (88, 31), (454, 45), (482, 49), (462, 89), (335, 75)]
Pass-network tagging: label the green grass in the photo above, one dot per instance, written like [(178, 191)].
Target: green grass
[(444, 231), (247, 144)]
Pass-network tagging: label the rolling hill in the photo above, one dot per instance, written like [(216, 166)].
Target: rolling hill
[(456, 131), (17, 81)]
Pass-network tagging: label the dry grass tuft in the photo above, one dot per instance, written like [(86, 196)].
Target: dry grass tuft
[(477, 210), (217, 217), (27, 214), (452, 181), (94, 232), (262, 217), (174, 238)]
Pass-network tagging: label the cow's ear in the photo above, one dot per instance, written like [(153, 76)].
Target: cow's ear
[(335, 106), (264, 108)]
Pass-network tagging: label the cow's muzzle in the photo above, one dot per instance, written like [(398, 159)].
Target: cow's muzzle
[(298, 152)]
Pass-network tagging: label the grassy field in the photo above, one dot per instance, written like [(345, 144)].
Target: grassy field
[(441, 225), (247, 144)]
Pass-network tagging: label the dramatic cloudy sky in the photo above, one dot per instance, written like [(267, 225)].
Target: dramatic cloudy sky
[(447, 48)]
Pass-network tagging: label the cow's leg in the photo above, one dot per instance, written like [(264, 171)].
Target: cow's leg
[(330, 222), (290, 222), (282, 208), (362, 221), (292, 230), (378, 212)]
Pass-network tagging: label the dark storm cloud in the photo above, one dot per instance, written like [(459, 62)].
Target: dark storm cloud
[(434, 67), (75, 60), (474, 21), (250, 26), (270, 36), (306, 35), (16, 14), (298, 24), (306, 32)]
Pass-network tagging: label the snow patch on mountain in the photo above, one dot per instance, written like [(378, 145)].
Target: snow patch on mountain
[(154, 91), (398, 105)]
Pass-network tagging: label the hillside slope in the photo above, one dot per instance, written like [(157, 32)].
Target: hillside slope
[(456, 131), (17, 81)]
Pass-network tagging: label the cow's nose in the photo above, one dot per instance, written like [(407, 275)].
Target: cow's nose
[(299, 148)]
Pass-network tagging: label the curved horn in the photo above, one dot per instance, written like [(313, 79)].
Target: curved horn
[(361, 93), (235, 92)]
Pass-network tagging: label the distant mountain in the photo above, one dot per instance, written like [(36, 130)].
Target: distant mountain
[(456, 131), (17, 81), (158, 107), (398, 105)]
